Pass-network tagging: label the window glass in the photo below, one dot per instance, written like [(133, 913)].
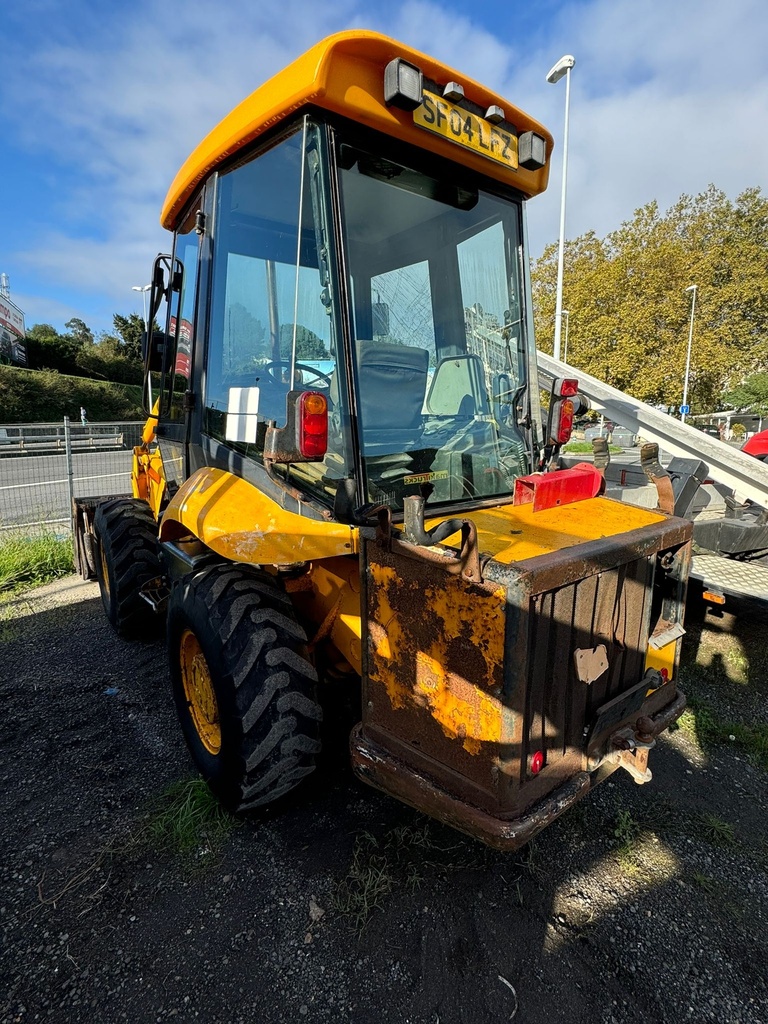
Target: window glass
[(439, 351), (270, 327), (182, 322)]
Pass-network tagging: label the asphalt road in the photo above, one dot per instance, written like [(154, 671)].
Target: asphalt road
[(35, 489)]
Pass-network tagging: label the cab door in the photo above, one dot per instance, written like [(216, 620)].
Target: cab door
[(178, 399)]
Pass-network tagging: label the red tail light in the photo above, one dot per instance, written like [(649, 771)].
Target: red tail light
[(313, 425), (537, 762), (566, 387), (562, 420)]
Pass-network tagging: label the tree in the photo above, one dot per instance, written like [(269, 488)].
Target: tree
[(629, 313), (750, 396), (308, 345), (79, 331), (130, 329), (49, 350)]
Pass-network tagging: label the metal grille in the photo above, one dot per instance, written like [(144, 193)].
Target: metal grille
[(44, 465), (610, 608)]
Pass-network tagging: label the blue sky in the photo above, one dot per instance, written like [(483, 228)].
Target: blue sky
[(101, 102)]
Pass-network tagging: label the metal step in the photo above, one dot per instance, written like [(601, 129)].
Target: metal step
[(731, 577)]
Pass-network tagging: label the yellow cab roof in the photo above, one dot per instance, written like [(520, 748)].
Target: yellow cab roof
[(345, 74)]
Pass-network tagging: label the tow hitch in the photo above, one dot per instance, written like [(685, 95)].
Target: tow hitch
[(630, 749)]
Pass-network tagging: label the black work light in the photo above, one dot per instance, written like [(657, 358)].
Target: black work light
[(531, 151), (403, 85)]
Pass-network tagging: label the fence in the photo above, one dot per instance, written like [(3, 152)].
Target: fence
[(44, 465)]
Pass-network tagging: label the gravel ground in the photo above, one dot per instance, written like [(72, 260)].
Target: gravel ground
[(642, 904)]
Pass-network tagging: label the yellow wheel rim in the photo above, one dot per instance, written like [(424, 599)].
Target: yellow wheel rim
[(198, 690), (104, 571)]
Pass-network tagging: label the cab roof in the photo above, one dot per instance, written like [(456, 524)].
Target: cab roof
[(345, 74)]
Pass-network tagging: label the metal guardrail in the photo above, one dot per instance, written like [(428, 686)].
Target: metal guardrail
[(43, 466)]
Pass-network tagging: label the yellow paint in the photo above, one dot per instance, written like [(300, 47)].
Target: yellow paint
[(512, 533), (665, 657), (148, 478), (236, 520), (469, 711), (336, 584), (345, 74)]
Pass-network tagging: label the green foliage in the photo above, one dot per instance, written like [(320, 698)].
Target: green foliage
[(701, 722), (308, 345), (738, 430), (627, 829), (29, 396), (130, 329), (113, 357), (629, 311), (751, 394), (189, 819), (31, 561), (716, 830)]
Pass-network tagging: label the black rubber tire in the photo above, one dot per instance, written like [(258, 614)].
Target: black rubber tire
[(264, 685), (127, 557)]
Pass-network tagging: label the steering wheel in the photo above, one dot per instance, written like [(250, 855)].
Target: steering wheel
[(283, 366)]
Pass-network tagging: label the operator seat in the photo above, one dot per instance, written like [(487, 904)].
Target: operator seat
[(392, 382)]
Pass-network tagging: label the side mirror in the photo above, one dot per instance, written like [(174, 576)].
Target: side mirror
[(152, 349)]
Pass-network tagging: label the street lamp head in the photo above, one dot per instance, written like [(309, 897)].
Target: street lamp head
[(140, 288), (563, 65), (691, 288)]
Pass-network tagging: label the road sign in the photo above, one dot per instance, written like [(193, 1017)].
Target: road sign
[(684, 410)]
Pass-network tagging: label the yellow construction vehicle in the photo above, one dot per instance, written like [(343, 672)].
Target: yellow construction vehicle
[(346, 471)]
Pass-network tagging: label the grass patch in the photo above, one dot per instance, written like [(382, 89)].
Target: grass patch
[(584, 447), (369, 880), (701, 722), (31, 561), (189, 821)]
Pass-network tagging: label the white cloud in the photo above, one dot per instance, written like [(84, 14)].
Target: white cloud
[(665, 99)]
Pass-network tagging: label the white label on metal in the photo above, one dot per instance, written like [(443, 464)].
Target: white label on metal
[(662, 639), (242, 415)]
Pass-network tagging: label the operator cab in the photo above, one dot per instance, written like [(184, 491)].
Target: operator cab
[(392, 286)]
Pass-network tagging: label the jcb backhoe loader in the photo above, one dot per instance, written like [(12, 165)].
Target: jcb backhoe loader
[(346, 470)]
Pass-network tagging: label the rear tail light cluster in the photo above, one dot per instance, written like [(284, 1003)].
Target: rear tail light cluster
[(313, 425), (562, 409)]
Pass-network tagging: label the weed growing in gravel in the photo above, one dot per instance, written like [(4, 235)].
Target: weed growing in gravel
[(368, 880), (716, 831), (627, 829), (190, 821), (701, 722), (31, 561), (704, 882)]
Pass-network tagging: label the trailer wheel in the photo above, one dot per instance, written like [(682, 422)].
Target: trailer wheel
[(244, 688), (127, 557)]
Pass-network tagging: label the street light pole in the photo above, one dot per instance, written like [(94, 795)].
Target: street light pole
[(567, 316), (563, 67), (143, 289), (690, 288)]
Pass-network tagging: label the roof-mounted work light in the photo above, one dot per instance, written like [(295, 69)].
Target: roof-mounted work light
[(403, 85), (453, 92), (531, 151)]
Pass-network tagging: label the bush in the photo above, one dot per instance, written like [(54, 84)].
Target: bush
[(43, 396)]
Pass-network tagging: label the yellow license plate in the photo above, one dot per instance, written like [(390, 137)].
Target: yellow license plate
[(467, 130)]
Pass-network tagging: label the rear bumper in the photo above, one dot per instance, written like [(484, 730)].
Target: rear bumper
[(380, 769)]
